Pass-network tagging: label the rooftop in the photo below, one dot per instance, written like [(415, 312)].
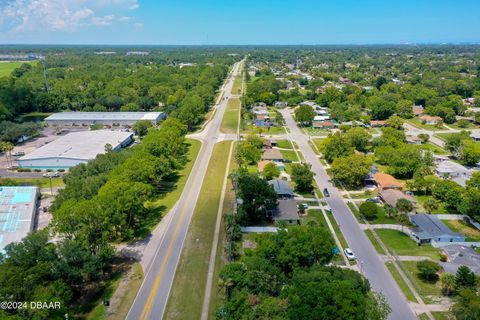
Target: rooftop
[(106, 116), (17, 212), (459, 255), (386, 181), (450, 167), (430, 226), (281, 187), (272, 154), (391, 197), (286, 210), (85, 145)]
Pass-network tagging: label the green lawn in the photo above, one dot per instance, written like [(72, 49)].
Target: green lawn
[(237, 85), (250, 129), (316, 132), (230, 118), (374, 242), (284, 144), (339, 233), (402, 245), (469, 126), (355, 212), (438, 315), (429, 291), (40, 182), (191, 275), (461, 227), (442, 135), (417, 123), (382, 218), (435, 149), (33, 116), (6, 68), (289, 155), (401, 283), (315, 215)]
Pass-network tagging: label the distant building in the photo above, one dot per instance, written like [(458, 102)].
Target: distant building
[(454, 171), (282, 188), (391, 197), (378, 123), (138, 53), (460, 255), (18, 206), (272, 155), (75, 148), (105, 118), (413, 140), (321, 118), (430, 120), (281, 104), (417, 110), (475, 135), (430, 229), (323, 124)]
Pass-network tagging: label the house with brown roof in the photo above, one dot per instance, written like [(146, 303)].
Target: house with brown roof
[(385, 181), (430, 120), (417, 110), (378, 123), (391, 197), (323, 124), (272, 155), (413, 140)]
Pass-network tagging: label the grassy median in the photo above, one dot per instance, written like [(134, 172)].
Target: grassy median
[(230, 118), (186, 296)]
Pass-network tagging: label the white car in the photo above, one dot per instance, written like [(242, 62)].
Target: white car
[(349, 254)]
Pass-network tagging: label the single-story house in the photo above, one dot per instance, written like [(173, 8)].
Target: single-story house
[(391, 197), (417, 110), (459, 255), (430, 229), (475, 135), (272, 155), (321, 118), (262, 123), (323, 124), (287, 212), (282, 188), (263, 117), (267, 144), (378, 123), (414, 140), (450, 169), (468, 101), (281, 104), (385, 181), (430, 120), (321, 111)]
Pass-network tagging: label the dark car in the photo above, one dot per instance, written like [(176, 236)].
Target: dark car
[(326, 193)]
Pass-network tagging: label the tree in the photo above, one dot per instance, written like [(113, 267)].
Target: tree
[(359, 138), (474, 181), (351, 170), (395, 122), (303, 177), (454, 142), (424, 137), (469, 152), (141, 127), (304, 114), (448, 283), (427, 270), (465, 278), (467, 306), (271, 171), (430, 205), (403, 205), (335, 146), (369, 210), (402, 219)]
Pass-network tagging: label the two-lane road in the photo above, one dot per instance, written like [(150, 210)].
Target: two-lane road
[(372, 266), (152, 297)]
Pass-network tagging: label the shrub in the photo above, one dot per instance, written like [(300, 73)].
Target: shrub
[(61, 170), (369, 210), (427, 270), (37, 170)]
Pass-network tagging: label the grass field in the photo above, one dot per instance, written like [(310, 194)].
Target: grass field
[(417, 123), (461, 227), (422, 199), (374, 242), (191, 275), (429, 291), (289, 155), (435, 149), (7, 67), (40, 182), (402, 245), (401, 283), (438, 315), (230, 118), (284, 144), (237, 85), (442, 135)]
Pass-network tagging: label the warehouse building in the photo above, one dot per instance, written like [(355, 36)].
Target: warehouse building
[(105, 118), (18, 206), (75, 148)]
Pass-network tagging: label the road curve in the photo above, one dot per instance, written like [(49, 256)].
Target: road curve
[(372, 267), (152, 298)]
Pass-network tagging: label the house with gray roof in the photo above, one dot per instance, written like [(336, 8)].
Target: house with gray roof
[(282, 188), (459, 255), (430, 229), (286, 212)]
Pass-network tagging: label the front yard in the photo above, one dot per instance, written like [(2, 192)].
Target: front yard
[(402, 245)]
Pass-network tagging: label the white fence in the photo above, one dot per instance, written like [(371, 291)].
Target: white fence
[(465, 244)]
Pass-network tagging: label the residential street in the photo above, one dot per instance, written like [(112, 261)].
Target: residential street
[(370, 263), (151, 300)]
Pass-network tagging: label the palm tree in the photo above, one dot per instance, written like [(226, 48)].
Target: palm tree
[(430, 205)]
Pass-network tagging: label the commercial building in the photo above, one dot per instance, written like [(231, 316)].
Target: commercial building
[(75, 148), (18, 206), (105, 118)]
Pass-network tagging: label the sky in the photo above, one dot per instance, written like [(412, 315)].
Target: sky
[(238, 22)]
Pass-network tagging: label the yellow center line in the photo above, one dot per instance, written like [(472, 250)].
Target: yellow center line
[(148, 305)]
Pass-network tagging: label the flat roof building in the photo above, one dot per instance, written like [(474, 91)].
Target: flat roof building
[(105, 118), (18, 206), (75, 148)]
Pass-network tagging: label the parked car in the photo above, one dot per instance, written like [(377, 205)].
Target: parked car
[(51, 175), (304, 205), (374, 200), (349, 254), (18, 154), (326, 193)]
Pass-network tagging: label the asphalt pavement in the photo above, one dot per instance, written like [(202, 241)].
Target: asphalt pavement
[(370, 263), (152, 298)]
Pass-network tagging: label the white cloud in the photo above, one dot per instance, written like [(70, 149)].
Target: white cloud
[(62, 15), (138, 24)]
